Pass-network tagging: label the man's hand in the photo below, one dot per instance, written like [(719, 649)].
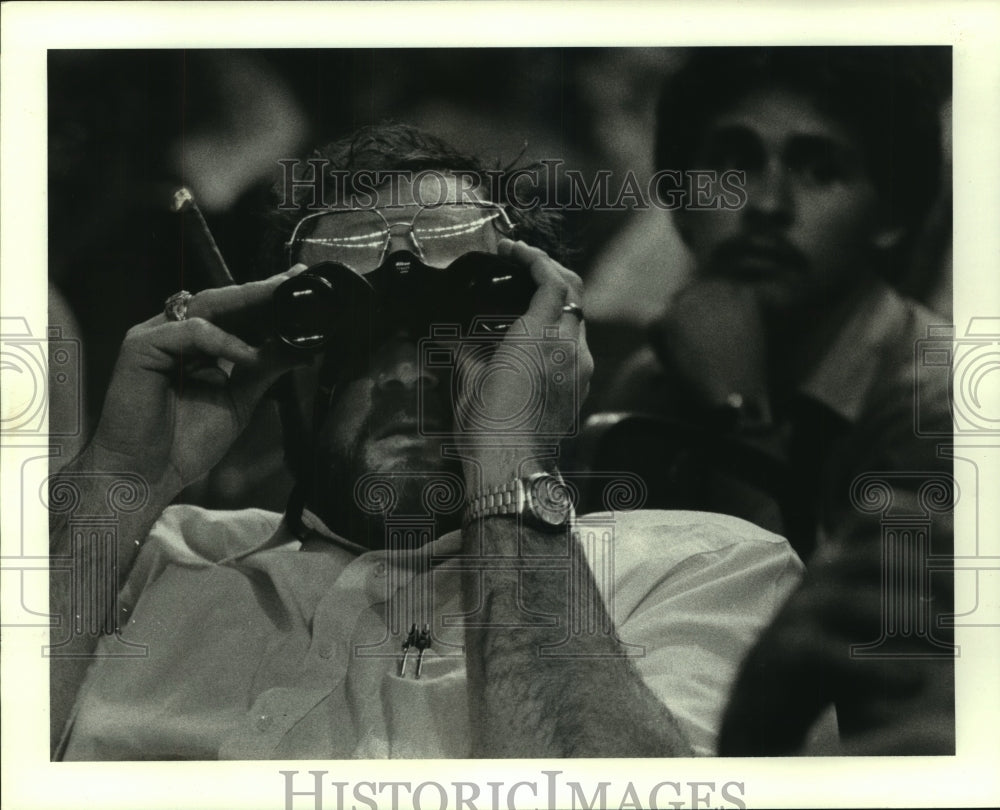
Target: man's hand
[(712, 340), (527, 392), (171, 411), (170, 414), (591, 702)]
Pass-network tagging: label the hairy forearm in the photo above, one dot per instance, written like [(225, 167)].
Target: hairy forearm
[(547, 675)]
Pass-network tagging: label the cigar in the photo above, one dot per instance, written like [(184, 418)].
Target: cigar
[(197, 232)]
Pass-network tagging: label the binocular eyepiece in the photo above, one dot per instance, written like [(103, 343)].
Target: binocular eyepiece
[(329, 302)]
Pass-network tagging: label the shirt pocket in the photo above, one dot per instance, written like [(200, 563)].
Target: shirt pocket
[(428, 717)]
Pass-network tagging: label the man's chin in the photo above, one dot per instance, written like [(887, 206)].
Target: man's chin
[(394, 472), (407, 471)]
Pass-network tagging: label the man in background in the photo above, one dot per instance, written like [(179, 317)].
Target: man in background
[(791, 340)]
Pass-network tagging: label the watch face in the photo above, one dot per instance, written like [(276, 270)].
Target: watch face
[(550, 500)]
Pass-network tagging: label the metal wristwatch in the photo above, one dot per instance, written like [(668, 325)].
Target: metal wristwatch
[(542, 500)]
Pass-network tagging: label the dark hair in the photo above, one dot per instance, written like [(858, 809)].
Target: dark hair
[(888, 97), (388, 147)]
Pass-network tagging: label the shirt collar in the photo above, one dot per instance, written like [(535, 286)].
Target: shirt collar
[(445, 546), (849, 367)]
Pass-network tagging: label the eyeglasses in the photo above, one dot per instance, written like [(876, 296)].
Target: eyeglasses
[(360, 238)]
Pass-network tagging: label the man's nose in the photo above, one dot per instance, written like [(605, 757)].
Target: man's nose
[(769, 195), (400, 367)]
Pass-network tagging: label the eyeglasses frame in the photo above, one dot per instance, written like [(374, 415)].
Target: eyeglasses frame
[(507, 227)]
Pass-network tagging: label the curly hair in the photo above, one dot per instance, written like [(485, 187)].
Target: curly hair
[(392, 147)]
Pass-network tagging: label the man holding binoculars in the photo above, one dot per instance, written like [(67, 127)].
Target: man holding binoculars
[(429, 591)]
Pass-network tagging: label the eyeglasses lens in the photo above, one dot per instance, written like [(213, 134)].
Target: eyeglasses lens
[(449, 231), (358, 239)]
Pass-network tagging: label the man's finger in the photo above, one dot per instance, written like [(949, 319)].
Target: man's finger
[(219, 302), (161, 346), (553, 290)]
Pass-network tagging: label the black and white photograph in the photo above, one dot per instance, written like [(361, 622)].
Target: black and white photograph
[(434, 413)]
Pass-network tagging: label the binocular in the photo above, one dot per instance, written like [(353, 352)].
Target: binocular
[(330, 303)]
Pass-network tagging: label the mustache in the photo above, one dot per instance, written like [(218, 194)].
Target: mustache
[(759, 245), (398, 409)]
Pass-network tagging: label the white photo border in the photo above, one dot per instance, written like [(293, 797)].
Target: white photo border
[(970, 778)]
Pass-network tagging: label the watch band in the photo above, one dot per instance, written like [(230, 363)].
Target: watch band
[(531, 499), (505, 499)]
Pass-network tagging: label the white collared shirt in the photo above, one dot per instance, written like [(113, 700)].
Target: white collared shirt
[(259, 647)]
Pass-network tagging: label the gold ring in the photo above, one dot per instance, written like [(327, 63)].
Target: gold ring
[(176, 306)]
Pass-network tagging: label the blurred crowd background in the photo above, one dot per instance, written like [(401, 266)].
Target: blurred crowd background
[(128, 127)]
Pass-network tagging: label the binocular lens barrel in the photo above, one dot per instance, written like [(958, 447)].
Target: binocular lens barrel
[(331, 302), (304, 308)]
